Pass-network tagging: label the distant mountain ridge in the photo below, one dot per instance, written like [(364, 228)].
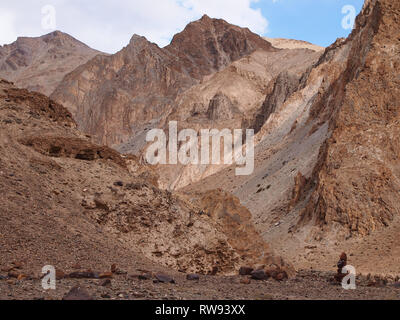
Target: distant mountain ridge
[(40, 63), (112, 97), (282, 43)]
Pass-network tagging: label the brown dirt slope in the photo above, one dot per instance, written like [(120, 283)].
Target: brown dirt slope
[(66, 200), (326, 177)]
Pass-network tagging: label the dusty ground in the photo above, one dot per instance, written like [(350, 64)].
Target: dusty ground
[(308, 285)]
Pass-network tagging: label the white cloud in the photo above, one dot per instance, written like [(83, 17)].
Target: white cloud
[(108, 25), (7, 26)]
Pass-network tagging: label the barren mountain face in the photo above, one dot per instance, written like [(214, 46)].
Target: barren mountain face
[(116, 98), (41, 63), (212, 75), (233, 98), (357, 177), (326, 157), (86, 200)]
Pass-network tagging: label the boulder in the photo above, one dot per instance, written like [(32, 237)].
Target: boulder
[(77, 294), (245, 271)]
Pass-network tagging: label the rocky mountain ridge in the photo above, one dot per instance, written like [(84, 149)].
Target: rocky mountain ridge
[(115, 98), (40, 63)]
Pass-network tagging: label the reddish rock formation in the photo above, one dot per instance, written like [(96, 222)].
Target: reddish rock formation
[(357, 175), (115, 97)]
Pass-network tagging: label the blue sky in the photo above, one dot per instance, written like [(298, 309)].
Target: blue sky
[(108, 25), (316, 21)]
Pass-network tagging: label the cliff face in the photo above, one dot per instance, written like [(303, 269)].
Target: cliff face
[(327, 169), (113, 98), (357, 177), (40, 64)]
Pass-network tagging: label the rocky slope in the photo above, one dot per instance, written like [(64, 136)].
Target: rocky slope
[(41, 63), (326, 177), (213, 74), (364, 122), (233, 98), (117, 97), (93, 206)]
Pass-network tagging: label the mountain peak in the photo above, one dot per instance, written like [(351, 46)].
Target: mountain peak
[(214, 43), (137, 39), (205, 17), (31, 54)]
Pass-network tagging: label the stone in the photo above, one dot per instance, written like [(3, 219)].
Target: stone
[(7, 269), (214, 271), (105, 283), (17, 264), (13, 274), (77, 294), (138, 295), (22, 277), (193, 277), (106, 275), (76, 266), (164, 278), (146, 276), (280, 276), (397, 285), (83, 275), (100, 204), (245, 271), (60, 274), (259, 275)]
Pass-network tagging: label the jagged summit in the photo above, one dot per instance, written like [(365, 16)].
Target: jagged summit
[(149, 78), (62, 38), (137, 38), (217, 34)]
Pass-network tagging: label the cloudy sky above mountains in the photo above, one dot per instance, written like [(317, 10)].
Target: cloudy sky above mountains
[(108, 25)]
